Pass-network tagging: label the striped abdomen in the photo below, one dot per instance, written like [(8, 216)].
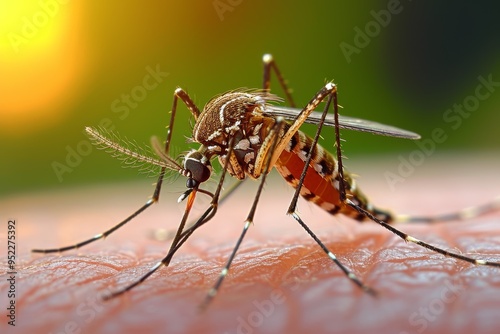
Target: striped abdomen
[(321, 185)]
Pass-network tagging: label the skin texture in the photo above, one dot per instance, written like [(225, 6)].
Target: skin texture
[(280, 280)]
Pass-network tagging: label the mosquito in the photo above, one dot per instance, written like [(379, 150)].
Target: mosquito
[(250, 134)]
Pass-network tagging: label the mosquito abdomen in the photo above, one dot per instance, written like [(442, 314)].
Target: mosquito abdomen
[(321, 184)]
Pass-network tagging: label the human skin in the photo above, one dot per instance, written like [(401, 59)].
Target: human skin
[(280, 280)]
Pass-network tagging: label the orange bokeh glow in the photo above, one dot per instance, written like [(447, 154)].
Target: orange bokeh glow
[(42, 63)]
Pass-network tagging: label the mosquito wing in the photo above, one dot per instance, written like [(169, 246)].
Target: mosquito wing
[(345, 122)]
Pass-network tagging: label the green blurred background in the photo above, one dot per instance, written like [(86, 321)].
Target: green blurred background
[(64, 66)]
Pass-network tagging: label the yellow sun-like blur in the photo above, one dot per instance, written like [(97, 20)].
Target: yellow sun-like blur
[(42, 63)]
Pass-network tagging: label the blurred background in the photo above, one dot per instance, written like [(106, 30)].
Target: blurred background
[(70, 64)]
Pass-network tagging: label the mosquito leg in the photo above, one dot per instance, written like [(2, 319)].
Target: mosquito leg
[(249, 220), (293, 205), (340, 165), (103, 235), (164, 262), (212, 210), (179, 93), (409, 238), (332, 256), (330, 91), (183, 235), (269, 65), (223, 197), (467, 213), (98, 236), (369, 215)]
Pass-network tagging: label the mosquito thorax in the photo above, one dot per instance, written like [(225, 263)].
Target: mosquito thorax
[(198, 166), (237, 115)]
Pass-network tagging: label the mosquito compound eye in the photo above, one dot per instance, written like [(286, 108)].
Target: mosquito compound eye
[(199, 167), (191, 183)]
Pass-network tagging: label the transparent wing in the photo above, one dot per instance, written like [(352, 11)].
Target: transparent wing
[(345, 122)]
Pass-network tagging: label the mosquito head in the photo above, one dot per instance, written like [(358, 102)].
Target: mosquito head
[(199, 168)]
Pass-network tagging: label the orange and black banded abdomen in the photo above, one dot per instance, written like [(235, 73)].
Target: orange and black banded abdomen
[(321, 184)]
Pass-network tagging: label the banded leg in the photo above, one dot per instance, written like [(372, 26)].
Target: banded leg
[(183, 235), (329, 91), (274, 136), (464, 214), (179, 93), (269, 65), (409, 238), (397, 232), (332, 96)]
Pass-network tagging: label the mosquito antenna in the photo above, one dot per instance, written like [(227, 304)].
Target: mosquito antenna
[(119, 150)]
